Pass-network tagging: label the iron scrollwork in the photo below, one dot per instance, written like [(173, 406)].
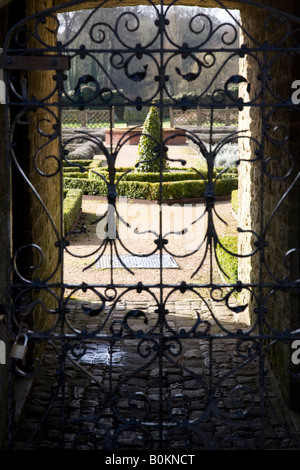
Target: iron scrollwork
[(142, 374)]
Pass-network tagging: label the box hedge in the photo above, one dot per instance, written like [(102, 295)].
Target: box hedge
[(75, 174), (228, 262), (72, 207), (177, 184), (149, 190), (73, 163), (154, 177), (151, 177), (149, 143)]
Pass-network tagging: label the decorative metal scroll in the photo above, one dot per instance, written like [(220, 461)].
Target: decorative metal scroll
[(120, 358)]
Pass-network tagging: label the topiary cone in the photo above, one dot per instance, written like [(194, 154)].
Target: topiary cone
[(149, 144)]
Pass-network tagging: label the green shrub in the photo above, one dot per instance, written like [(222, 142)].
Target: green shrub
[(75, 174), (183, 189), (145, 185), (138, 190), (148, 147), (225, 186), (228, 262), (84, 163), (195, 189), (234, 200), (89, 187), (172, 174), (75, 169), (151, 177), (98, 164), (150, 190), (72, 206)]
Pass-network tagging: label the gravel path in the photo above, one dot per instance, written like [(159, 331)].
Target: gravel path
[(142, 216)]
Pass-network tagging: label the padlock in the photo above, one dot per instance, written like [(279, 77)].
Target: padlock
[(18, 349)]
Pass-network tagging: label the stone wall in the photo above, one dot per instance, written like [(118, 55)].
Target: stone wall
[(30, 223), (4, 253), (263, 183), (41, 163)]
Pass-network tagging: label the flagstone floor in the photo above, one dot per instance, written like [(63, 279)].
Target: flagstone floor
[(118, 389)]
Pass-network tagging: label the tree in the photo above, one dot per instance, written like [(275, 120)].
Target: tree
[(104, 31), (149, 144)]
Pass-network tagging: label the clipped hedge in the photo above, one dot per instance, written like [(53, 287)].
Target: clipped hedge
[(121, 169), (151, 177), (179, 184), (75, 169), (146, 190), (70, 165), (230, 171), (75, 174), (148, 144), (72, 207), (228, 263), (234, 200), (85, 184), (154, 177)]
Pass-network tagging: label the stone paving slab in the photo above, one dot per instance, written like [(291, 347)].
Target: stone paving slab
[(196, 386)]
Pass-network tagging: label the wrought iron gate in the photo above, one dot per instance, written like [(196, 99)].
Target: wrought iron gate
[(165, 361)]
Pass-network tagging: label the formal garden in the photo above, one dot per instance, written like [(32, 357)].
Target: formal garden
[(90, 175)]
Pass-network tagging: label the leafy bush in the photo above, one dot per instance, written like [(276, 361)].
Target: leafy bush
[(73, 169), (153, 177), (75, 174), (183, 189), (225, 186), (138, 190), (149, 143), (228, 155), (72, 207), (228, 262), (145, 185), (89, 187)]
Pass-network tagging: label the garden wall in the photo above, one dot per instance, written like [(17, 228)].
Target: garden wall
[(261, 186)]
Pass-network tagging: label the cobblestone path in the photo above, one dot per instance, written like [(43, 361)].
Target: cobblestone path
[(198, 389)]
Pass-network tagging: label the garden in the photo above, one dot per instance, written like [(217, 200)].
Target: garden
[(142, 182)]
